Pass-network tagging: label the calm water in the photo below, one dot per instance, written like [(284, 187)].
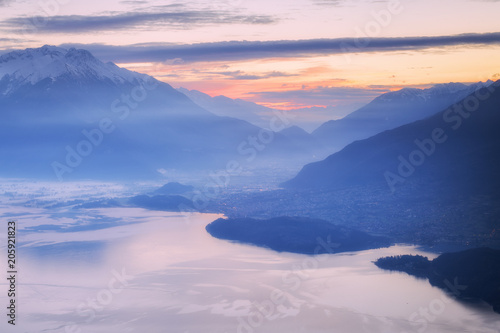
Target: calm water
[(132, 270)]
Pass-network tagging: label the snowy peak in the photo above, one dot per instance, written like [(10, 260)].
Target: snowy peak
[(31, 66), (445, 89), (29, 54)]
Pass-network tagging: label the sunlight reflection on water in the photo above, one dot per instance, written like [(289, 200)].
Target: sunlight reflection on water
[(180, 279)]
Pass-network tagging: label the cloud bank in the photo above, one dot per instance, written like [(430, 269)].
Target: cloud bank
[(171, 16), (245, 50)]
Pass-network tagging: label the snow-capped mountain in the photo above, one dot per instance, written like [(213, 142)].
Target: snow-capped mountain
[(391, 110), (90, 119), (439, 90), (31, 66), (59, 81)]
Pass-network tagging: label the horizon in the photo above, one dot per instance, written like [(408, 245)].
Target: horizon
[(350, 52), (308, 118)]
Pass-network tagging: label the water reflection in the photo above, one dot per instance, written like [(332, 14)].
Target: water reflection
[(161, 272)]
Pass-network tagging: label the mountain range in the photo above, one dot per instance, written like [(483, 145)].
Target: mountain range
[(66, 115), (458, 147), (306, 118), (391, 110), (432, 181)]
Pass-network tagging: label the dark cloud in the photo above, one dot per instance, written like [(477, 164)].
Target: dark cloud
[(243, 50), (172, 16)]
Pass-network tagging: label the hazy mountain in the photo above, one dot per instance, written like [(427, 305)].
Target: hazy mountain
[(308, 118), (435, 181), (303, 139), (226, 107), (456, 148), (172, 203), (174, 188), (392, 110), (66, 114)]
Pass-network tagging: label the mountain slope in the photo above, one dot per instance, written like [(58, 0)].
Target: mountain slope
[(392, 110), (303, 139), (65, 115), (458, 148), (227, 107), (308, 118)]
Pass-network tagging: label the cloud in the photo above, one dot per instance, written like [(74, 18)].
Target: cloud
[(133, 2), (338, 3), (329, 2), (9, 40), (4, 3), (320, 95), (172, 16), (240, 75), (245, 50)]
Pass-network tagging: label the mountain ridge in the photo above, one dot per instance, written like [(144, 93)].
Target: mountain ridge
[(380, 152), (67, 108), (391, 110)]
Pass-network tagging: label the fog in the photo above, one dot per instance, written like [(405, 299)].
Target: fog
[(139, 270)]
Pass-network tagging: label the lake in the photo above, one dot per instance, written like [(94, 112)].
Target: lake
[(133, 270)]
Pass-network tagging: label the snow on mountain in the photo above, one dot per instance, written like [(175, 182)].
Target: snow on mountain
[(391, 110), (60, 106), (31, 66), (415, 94)]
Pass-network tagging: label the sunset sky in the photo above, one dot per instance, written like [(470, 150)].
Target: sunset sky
[(284, 54)]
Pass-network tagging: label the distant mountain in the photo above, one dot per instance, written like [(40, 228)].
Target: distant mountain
[(466, 275), (303, 139), (226, 107), (392, 110), (171, 203), (455, 150), (434, 182), (295, 234), (67, 115), (297, 133), (308, 118), (174, 188)]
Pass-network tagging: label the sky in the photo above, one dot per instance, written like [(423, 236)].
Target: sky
[(283, 54)]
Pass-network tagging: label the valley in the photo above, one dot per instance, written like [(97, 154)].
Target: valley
[(221, 214)]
